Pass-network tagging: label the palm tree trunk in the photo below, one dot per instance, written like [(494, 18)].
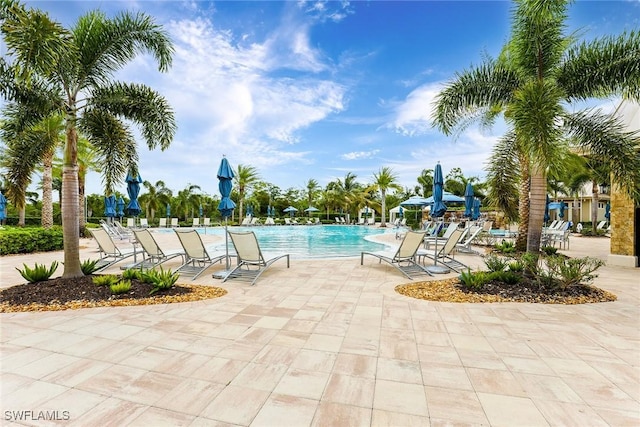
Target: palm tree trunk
[(383, 218), (536, 209), (523, 206), (81, 204), (22, 216), (575, 212), (594, 207), (69, 203), (47, 190)]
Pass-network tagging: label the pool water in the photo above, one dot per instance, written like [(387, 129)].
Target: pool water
[(310, 241)]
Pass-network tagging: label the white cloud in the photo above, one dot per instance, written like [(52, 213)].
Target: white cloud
[(358, 155), (412, 117)]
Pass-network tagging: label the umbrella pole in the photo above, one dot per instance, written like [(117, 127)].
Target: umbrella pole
[(435, 268), (226, 244)]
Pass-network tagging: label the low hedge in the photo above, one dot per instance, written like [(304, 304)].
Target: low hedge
[(30, 239)]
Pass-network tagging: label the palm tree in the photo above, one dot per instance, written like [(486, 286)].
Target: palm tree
[(187, 201), (426, 182), (156, 197), (245, 177), (383, 181), (539, 73), (71, 72), (312, 189)]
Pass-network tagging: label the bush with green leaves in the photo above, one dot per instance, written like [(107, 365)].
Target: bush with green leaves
[(572, 271), (506, 247), (121, 287), (508, 277), (516, 266), (549, 250), (161, 279), (88, 266), (530, 263), (473, 280), (105, 280), (30, 239), (496, 263), (39, 273), (133, 273)]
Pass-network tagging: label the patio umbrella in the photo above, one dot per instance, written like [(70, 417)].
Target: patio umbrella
[(468, 201), (168, 210), (290, 210), (561, 210), (110, 206), (607, 211), (3, 207), (226, 205), (400, 212), (311, 209), (249, 210), (416, 202), (476, 209), (200, 211), (546, 210), (120, 207), (133, 189), (447, 198), (437, 211)]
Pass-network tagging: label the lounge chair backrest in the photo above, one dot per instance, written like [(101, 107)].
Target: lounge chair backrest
[(247, 248), (487, 226), (144, 222), (192, 244), (206, 222), (104, 241), (410, 244), (131, 222), (148, 243), (196, 222), (163, 222), (174, 222), (450, 229), (451, 242)]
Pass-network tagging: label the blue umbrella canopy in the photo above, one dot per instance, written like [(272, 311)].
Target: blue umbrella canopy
[(546, 210), (168, 210), (3, 207), (607, 210), (291, 210), (476, 209), (249, 210), (447, 197), (438, 208), (110, 206), (415, 201), (120, 207), (200, 210), (225, 184), (133, 189), (400, 212), (468, 201), (561, 210)]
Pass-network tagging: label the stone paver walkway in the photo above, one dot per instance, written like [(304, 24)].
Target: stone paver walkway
[(326, 343)]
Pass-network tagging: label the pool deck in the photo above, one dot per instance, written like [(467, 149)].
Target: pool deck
[(326, 343)]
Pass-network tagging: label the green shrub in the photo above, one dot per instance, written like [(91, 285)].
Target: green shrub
[(573, 271), (161, 279), (88, 266), (105, 280), (530, 263), (549, 250), (121, 287), (30, 239), (508, 277), (473, 280), (506, 247), (495, 263), (516, 266), (132, 273), (39, 273)]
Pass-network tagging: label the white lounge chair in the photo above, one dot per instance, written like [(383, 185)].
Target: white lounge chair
[(445, 255), (251, 261), (197, 259), (162, 222), (109, 253), (144, 223), (269, 221), (153, 255), (131, 222), (174, 222), (433, 239), (404, 258), (206, 222), (246, 220), (469, 235), (196, 222)]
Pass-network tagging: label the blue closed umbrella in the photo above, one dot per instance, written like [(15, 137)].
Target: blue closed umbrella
[(476, 209), (120, 207), (438, 208), (110, 206), (400, 212), (468, 201), (133, 189), (561, 210), (226, 205), (3, 207), (168, 210), (249, 210), (607, 211), (200, 210), (546, 210)]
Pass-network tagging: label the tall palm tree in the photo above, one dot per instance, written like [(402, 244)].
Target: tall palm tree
[(383, 181), (156, 198), (539, 73), (312, 189), (425, 179), (71, 72), (245, 177), (187, 200)]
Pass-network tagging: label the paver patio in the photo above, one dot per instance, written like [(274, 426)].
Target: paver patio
[(326, 343)]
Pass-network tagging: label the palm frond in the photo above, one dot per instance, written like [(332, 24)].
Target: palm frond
[(143, 106), (602, 67), (503, 176)]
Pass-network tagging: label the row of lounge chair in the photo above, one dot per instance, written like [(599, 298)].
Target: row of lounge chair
[(251, 262)]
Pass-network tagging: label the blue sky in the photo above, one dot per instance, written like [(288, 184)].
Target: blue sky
[(303, 90)]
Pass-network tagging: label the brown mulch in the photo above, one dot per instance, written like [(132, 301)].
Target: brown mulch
[(450, 290), (64, 294)]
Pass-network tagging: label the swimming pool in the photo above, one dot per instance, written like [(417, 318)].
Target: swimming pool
[(313, 241)]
